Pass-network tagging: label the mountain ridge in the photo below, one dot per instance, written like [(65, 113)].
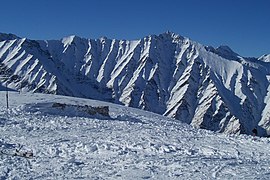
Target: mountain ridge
[(211, 88)]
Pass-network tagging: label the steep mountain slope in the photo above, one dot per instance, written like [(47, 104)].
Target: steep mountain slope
[(210, 88)]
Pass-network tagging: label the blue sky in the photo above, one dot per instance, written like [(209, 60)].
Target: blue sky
[(244, 25)]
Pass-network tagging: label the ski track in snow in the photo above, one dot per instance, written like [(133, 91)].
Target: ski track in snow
[(132, 144)]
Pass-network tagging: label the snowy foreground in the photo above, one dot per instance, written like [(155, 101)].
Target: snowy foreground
[(132, 144)]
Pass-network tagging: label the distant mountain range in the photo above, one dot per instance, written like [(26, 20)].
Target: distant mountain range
[(210, 88)]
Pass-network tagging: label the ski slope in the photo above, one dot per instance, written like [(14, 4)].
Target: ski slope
[(130, 144)]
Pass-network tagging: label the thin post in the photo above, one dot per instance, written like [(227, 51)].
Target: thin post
[(7, 95)]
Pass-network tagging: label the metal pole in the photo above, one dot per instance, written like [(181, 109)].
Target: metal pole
[(7, 95)]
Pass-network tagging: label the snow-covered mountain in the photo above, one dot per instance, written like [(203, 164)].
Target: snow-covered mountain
[(211, 88), (130, 144)]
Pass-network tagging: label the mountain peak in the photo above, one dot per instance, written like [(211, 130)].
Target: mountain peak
[(5, 36), (223, 51), (171, 35), (226, 52), (69, 39), (265, 58)]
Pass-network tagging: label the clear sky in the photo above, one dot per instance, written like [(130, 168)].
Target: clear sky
[(244, 25)]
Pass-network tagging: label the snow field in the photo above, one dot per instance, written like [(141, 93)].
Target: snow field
[(132, 144)]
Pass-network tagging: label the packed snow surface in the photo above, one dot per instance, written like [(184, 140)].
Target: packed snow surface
[(130, 144)]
